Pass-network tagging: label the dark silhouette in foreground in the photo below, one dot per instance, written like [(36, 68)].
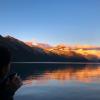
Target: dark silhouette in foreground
[(9, 83)]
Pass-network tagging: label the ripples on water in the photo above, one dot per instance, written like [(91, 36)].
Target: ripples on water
[(68, 78)]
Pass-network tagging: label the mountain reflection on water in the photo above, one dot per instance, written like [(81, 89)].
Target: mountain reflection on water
[(43, 73), (58, 81)]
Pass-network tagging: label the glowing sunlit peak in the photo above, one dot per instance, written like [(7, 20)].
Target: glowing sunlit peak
[(34, 42)]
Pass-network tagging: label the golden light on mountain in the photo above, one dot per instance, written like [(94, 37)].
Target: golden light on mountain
[(87, 51), (29, 43)]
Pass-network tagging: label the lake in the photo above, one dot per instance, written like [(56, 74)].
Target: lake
[(58, 81)]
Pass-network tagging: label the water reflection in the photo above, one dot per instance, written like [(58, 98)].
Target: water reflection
[(77, 72), (58, 82), (86, 74)]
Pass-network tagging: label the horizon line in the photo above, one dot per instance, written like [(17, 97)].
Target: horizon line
[(55, 63)]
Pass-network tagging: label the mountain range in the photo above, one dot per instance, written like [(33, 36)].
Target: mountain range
[(40, 52)]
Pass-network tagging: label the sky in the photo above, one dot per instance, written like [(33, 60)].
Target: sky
[(52, 21)]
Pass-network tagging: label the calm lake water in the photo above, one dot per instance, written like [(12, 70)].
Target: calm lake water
[(58, 81)]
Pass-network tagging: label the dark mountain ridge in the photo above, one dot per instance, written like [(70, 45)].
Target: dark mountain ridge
[(24, 53)]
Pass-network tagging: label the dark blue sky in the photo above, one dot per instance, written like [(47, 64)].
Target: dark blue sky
[(52, 21)]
